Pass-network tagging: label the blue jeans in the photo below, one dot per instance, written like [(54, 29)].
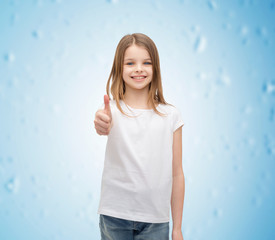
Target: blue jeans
[(112, 228)]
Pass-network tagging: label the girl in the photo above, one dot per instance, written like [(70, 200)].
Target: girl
[(142, 172)]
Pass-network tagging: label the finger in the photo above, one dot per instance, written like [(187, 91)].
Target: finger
[(103, 117), (101, 124), (107, 108), (100, 133), (101, 129)]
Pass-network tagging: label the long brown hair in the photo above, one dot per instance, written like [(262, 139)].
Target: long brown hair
[(118, 85)]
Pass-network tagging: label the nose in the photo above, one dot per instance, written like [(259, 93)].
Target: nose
[(138, 68)]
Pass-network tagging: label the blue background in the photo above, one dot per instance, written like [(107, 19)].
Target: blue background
[(217, 64)]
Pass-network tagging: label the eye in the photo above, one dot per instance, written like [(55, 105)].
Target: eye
[(129, 63), (147, 63)]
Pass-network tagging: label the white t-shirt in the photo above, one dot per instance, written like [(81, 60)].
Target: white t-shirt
[(137, 176)]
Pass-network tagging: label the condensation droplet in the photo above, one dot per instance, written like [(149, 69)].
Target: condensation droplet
[(10, 159), (261, 31), (14, 18), (38, 34), (236, 167), (13, 185), (271, 114), (247, 110), (195, 28), (33, 179), (200, 44), (270, 145), (212, 5), (23, 120), (269, 87), (250, 141), (112, 1), (244, 30), (256, 201), (9, 57), (224, 80), (13, 83), (265, 175), (217, 212), (227, 26), (44, 213), (57, 1)]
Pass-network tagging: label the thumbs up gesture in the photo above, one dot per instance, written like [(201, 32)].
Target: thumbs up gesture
[(103, 118)]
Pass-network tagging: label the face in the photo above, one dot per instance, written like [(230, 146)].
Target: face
[(137, 68)]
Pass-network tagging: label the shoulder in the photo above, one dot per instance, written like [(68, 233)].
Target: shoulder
[(169, 108)]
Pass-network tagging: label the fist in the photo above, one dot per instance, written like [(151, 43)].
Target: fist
[(103, 118)]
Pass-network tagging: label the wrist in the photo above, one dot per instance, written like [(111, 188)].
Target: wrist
[(176, 228)]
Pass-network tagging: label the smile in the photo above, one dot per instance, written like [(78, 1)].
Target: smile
[(142, 77)]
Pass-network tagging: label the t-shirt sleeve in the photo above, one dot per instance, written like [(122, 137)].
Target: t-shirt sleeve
[(176, 119)]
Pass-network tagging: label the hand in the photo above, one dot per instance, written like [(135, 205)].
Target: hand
[(103, 118), (177, 235)]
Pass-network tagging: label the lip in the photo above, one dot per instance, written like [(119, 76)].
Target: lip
[(139, 80)]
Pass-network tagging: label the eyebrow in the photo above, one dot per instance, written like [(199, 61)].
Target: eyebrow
[(134, 59)]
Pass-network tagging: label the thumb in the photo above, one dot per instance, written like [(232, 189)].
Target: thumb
[(107, 108)]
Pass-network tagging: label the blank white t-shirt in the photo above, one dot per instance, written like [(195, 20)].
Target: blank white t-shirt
[(137, 176)]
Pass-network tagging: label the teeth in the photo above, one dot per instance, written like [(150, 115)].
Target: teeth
[(138, 77)]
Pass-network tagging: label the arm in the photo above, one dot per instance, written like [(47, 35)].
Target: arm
[(178, 188)]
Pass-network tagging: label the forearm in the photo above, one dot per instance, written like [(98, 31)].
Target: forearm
[(177, 200)]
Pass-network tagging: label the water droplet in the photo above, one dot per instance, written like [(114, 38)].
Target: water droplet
[(265, 175), (9, 57), (224, 80), (38, 34), (245, 41), (33, 179), (200, 44), (261, 31), (14, 18), (23, 120), (236, 167), (271, 114), (13, 185), (202, 76), (13, 83), (217, 212), (247, 110), (112, 1), (244, 30), (44, 213), (250, 141), (231, 14), (10, 159), (226, 26), (212, 5), (269, 87), (195, 28), (270, 145), (257, 201)]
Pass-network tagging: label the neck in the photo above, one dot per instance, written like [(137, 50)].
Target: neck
[(137, 98)]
